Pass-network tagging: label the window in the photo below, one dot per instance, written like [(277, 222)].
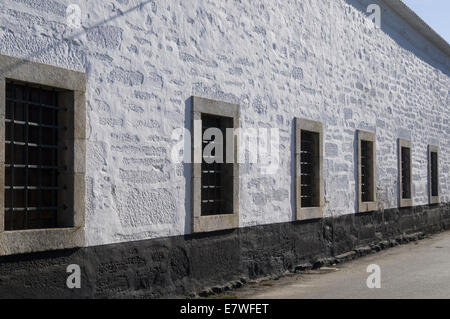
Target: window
[(366, 161), (215, 169), (43, 157), (309, 169), (404, 173), (32, 163), (433, 174), (217, 175)]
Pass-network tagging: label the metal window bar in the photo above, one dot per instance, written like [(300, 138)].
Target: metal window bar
[(53, 147), (54, 195), (30, 209), (212, 172), (406, 172), (41, 194), (36, 124), (34, 187), (62, 167), (31, 166), (38, 104)]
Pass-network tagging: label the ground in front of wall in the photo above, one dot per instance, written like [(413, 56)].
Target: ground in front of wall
[(419, 269)]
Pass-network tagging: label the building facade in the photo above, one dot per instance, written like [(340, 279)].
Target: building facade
[(131, 81)]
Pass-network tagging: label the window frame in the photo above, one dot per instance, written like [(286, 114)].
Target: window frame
[(209, 223), (369, 205), (34, 240), (433, 199), (306, 213), (404, 202)]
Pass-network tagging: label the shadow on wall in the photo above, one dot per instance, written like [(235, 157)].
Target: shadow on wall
[(355, 170), (187, 168), (49, 48), (405, 36), (293, 173)]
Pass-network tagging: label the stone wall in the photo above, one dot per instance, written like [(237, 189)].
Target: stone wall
[(202, 264), (318, 59)]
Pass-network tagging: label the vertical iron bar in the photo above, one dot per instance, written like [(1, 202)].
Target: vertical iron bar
[(40, 163), (26, 106), (13, 106), (53, 193)]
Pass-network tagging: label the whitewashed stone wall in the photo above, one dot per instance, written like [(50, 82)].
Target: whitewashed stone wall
[(318, 59)]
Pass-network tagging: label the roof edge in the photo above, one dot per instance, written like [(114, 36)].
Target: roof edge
[(418, 24)]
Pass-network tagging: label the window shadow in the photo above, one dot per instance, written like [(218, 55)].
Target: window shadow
[(187, 168), (49, 48), (292, 170)]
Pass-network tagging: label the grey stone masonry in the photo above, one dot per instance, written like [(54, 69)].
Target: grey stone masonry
[(199, 265)]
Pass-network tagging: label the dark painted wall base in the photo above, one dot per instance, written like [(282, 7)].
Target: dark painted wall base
[(187, 265)]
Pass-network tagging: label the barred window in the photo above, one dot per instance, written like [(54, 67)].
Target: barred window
[(215, 182), (309, 158), (43, 163), (366, 160), (309, 168), (405, 173), (366, 171), (433, 174), (32, 157), (217, 175)]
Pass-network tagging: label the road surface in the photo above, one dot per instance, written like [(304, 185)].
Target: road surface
[(417, 270)]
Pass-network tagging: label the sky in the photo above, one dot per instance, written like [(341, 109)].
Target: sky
[(436, 13)]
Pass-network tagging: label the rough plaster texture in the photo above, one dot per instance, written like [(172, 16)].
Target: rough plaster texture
[(316, 59)]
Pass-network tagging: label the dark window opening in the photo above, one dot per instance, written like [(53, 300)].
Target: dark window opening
[(406, 172), (32, 152), (309, 165), (367, 178), (434, 174), (217, 178)]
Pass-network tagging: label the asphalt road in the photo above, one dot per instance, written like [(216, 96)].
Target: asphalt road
[(417, 270)]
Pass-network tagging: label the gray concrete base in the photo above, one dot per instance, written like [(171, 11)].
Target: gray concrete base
[(211, 262)]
